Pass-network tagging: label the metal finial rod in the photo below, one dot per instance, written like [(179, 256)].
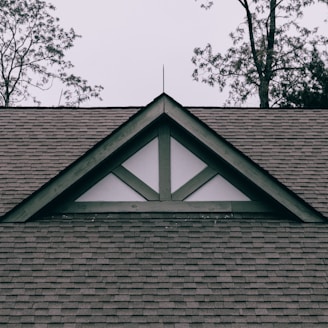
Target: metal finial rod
[(163, 79)]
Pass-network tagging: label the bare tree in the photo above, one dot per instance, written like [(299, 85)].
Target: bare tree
[(269, 53), (32, 54)]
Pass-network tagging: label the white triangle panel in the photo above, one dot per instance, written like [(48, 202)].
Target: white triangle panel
[(217, 189), (184, 165), (144, 164), (110, 189)]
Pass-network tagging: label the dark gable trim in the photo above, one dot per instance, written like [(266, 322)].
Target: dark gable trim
[(166, 207), (242, 164), (55, 187), (140, 121)]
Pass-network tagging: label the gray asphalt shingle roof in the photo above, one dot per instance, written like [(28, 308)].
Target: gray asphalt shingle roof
[(163, 273), (94, 270), (292, 145), (36, 144)]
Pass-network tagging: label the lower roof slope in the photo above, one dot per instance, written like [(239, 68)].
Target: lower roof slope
[(100, 272), (36, 144)]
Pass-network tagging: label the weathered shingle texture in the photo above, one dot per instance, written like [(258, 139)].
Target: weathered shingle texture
[(99, 272), (292, 145), (36, 144)]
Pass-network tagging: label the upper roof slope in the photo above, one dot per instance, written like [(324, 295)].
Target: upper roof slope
[(36, 144)]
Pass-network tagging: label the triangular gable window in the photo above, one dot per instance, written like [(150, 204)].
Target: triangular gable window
[(164, 170), (144, 164), (110, 189), (217, 189), (185, 167)]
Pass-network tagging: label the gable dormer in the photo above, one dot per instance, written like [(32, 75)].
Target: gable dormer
[(164, 161)]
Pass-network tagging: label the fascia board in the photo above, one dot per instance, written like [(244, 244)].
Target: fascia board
[(46, 194), (245, 166)]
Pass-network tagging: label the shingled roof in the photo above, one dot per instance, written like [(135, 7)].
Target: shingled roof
[(100, 270), (37, 144), (291, 144), (163, 273)]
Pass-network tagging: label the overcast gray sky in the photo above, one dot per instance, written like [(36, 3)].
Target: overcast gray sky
[(125, 43)]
